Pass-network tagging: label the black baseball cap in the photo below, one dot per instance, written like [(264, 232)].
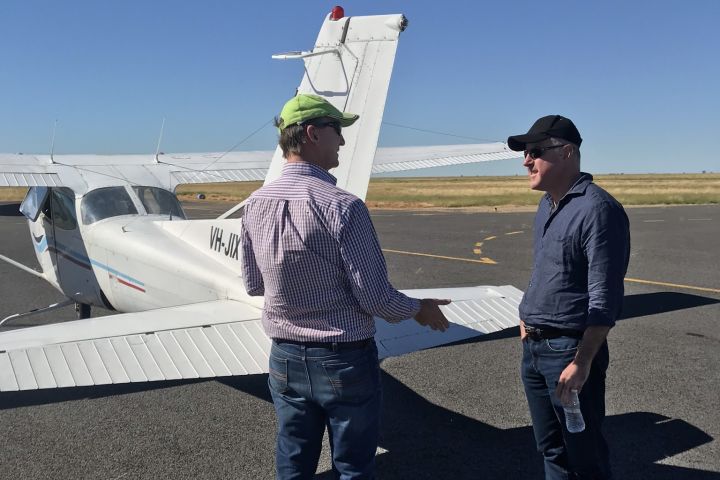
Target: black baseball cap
[(550, 126)]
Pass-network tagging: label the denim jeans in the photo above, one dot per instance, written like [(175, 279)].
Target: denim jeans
[(314, 388), (567, 455)]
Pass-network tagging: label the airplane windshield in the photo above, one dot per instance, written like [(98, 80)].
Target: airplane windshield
[(159, 202), (105, 203)]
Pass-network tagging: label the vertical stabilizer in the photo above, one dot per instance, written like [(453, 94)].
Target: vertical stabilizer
[(351, 66)]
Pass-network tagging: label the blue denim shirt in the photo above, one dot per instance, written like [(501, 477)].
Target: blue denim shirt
[(582, 250)]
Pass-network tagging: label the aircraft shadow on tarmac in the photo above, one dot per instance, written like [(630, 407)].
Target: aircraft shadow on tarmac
[(10, 210), (424, 440), (644, 304)]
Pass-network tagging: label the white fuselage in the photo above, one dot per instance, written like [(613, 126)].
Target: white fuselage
[(138, 261)]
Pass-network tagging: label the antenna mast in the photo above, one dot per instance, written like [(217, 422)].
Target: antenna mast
[(157, 149), (52, 142)]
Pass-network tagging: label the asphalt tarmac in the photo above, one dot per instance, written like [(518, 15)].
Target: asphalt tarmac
[(453, 412)]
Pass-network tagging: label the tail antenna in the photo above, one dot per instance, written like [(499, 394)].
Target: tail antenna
[(157, 149)]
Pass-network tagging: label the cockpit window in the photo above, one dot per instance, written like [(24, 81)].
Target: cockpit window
[(105, 203), (159, 202), (63, 208)]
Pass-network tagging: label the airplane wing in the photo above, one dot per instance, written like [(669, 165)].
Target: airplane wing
[(83, 173), (210, 339), (396, 159)]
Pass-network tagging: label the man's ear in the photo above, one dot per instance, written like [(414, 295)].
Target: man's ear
[(311, 133)]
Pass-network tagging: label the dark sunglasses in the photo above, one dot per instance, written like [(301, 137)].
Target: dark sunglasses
[(335, 125), (537, 152)]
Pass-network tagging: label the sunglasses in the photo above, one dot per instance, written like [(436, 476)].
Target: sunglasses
[(335, 126), (537, 152)]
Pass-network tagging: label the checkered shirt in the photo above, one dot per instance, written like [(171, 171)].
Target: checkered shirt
[(311, 249)]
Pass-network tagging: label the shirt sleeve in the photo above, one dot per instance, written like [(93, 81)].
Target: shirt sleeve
[(365, 267), (606, 244), (252, 277)]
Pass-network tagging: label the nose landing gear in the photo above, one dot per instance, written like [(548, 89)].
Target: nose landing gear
[(82, 310)]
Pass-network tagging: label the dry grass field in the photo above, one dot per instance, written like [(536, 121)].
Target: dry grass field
[(449, 192)]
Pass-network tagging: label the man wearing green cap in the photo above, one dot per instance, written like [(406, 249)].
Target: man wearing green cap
[(311, 249)]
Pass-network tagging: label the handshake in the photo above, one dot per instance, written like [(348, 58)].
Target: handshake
[(430, 314)]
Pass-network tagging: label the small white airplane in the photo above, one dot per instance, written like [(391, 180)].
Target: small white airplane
[(109, 232)]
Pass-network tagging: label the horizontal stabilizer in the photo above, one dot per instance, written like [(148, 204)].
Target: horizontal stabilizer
[(210, 339), (474, 311)]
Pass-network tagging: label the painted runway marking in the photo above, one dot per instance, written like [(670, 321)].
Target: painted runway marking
[(484, 260), (490, 238), (514, 233), (477, 250), (652, 221), (699, 219), (674, 285)]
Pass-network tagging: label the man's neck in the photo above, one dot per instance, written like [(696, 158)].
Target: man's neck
[(293, 158), (559, 193)]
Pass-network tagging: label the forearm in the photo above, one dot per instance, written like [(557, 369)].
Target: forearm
[(592, 340)]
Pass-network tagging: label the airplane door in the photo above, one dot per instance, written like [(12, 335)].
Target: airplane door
[(75, 274), (36, 208)]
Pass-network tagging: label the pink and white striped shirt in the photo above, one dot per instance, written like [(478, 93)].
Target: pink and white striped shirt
[(311, 249)]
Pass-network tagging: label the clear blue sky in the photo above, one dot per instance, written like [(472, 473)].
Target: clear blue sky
[(641, 79)]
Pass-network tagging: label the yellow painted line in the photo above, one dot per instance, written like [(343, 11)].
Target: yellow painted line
[(490, 238), (674, 285), (484, 260), (479, 244), (514, 233), (477, 251)]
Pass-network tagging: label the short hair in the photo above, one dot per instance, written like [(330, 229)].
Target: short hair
[(561, 141), (291, 138)]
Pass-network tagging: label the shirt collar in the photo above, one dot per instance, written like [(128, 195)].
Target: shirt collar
[(308, 169), (577, 189)]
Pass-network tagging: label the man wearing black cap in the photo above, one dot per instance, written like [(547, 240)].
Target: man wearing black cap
[(581, 250)]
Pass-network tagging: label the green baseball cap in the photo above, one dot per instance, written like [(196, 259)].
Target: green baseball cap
[(304, 107)]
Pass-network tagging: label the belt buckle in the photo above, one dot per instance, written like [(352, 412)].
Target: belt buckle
[(533, 333)]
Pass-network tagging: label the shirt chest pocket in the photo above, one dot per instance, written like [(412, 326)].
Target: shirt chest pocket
[(558, 251)]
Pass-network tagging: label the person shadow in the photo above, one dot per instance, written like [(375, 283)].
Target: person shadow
[(421, 440), (426, 441)]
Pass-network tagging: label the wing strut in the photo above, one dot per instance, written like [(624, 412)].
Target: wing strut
[(21, 266), (35, 311)]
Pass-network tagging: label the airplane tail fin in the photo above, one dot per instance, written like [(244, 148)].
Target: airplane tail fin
[(351, 66)]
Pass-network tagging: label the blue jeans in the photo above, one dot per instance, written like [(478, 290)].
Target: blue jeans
[(567, 455), (313, 388)]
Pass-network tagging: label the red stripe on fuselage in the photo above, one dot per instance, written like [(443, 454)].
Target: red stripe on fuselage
[(129, 284)]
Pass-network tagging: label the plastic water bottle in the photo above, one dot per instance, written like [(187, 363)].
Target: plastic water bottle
[(573, 416)]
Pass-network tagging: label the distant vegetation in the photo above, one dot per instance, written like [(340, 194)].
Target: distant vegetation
[(442, 192), (434, 192)]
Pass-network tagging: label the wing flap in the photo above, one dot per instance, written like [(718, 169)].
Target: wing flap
[(29, 179), (475, 311)]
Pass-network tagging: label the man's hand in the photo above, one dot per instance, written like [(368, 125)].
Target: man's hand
[(575, 374), (430, 314), (523, 333), (572, 378)]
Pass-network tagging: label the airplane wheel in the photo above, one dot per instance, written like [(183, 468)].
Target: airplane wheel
[(83, 310)]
